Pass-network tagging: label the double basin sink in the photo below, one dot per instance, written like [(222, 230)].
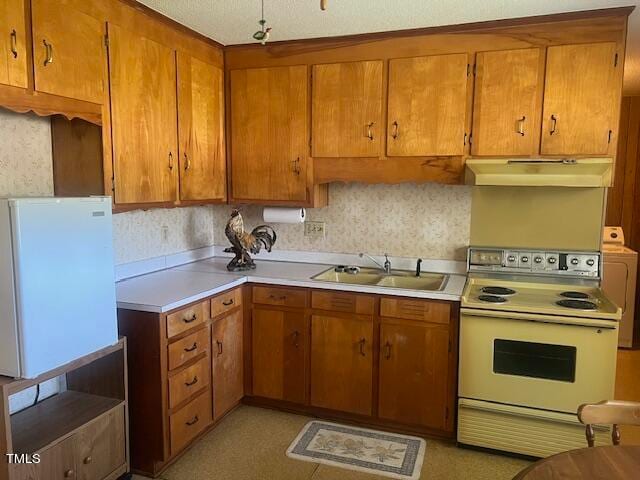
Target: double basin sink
[(395, 279)]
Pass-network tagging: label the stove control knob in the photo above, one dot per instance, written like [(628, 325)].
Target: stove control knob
[(591, 262), (537, 259), (511, 258), (524, 259), (575, 261), (552, 260)]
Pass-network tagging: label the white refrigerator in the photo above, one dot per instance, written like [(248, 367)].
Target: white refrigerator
[(57, 286)]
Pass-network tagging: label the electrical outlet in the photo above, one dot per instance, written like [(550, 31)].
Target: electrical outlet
[(314, 229), (164, 234)]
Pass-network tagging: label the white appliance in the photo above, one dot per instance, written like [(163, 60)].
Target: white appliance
[(57, 285)]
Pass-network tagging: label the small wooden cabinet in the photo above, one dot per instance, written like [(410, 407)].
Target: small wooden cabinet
[(428, 104), (143, 118), (228, 358), (346, 113), (342, 363), (508, 102), (270, 136), (280, 350), (581, 99), (69, 52), (201, 130), (186, 373), (414, 373), (13, 43)]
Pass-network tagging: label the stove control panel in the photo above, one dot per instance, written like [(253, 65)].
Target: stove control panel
[(577, 264)]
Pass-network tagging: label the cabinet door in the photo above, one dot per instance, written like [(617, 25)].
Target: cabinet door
[(228, 387), (414, 374), (100, 446), (341, 363), (427, 105), (13, 49), (347, 101), (69, 51), (581, 99), (279, 352), (508, 102), (143, 111), (201, 130), (56, 463), (269, 134)]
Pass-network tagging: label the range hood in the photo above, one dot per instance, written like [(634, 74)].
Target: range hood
[(547, 172)]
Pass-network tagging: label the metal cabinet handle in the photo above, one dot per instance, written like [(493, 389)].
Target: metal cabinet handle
[(394, 131), (87, 460), (387, 348), (187, 162), (369, 130), (296, 336), (189, 320), (219, 343), (228, 302), (521, 125), (48, 52), (192, 347), (554, 124), (69, 473), (362, 342), (193, 422), (14, 43), (170, 161), (192, 382), (280, 298), (296, 166)]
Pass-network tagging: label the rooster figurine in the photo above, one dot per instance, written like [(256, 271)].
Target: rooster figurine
[(243, 242)]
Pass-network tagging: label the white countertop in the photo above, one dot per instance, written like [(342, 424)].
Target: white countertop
[(175, 287)]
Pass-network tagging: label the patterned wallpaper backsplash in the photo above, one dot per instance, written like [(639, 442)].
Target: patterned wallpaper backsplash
[(408, 220)]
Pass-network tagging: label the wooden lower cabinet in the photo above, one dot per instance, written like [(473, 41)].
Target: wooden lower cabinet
[(279, 354), (414, 373), (228, 371), (185, 371), (342, 363), (56, 463)]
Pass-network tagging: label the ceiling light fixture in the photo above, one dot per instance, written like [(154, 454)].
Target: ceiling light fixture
[(262, 35), (323, 4)]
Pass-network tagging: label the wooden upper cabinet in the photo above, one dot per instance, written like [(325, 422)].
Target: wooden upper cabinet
[(69, 51), (508, 102), (13, 43), (347, 104), (201, 130), (269, 135), (428, 97), (143, 118), (342, 363), (279, 354), (581, 99), (414, 374)]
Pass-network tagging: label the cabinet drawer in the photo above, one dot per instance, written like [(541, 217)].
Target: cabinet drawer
[(186, 319), (285, 297), (189, 421), (226, 302), (189, 347), (184, 384), (342, 302), (422, 310)]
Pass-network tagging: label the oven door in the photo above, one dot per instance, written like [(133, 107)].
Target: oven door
[(519, 359)]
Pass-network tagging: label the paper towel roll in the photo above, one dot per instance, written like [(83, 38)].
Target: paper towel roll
[(283, 215)]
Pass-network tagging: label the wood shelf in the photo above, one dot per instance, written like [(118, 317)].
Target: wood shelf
[(54, 418)]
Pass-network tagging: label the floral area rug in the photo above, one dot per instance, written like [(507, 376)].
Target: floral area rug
[(371, 451)]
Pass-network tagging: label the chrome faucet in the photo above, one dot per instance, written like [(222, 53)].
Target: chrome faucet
[(386, 268)]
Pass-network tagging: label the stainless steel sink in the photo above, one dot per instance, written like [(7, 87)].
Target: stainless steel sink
[(395, 279)]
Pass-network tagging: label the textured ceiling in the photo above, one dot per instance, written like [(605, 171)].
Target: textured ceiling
[(234, 21)]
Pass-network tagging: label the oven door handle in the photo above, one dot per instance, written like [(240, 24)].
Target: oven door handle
[(541, 318)]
